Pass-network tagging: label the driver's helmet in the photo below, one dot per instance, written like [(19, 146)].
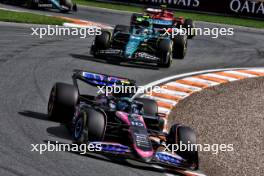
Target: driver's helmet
[(141, 30), (101, 98), (123, 104), (145, 31), (124, 91)]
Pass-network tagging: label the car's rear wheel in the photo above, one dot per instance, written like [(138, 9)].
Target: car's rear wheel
[(190, 25), (179, 46), (74, 7), (165, 53), (150, 107), (62, 101), (32, 4), (89, 126), (68, 4), (182, 135)]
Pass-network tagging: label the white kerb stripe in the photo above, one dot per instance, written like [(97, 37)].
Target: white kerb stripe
[(194, 173), (180, 85), (163, 110), (173, 92), (198, 80), (221, 77), (241, 74), (160, 99), (257, 69)]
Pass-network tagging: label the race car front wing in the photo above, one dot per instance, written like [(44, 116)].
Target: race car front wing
[(136, 57)]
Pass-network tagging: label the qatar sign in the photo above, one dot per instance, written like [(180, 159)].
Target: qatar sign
[(243, 8)]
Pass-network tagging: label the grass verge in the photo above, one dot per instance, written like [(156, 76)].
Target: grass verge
[(195, 16), (25, 17)]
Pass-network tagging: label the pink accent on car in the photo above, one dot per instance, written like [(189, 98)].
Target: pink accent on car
[(123, 116), (142, 153), (142, 120)]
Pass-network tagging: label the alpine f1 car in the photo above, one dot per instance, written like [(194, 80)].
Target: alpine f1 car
[(62, 5), (131, 127), (163, 18), (139, 43)]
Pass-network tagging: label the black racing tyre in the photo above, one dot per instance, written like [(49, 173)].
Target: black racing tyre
[(89, 126), (74, 7), (32, 4), (62, 101), (121, 28), (184, 135), (190, 25), (67, 3), (150, 106), (102, 41), (179, 46), (133, 19), (165, 53)]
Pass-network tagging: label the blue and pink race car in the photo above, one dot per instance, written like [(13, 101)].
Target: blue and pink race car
[(120, 123)]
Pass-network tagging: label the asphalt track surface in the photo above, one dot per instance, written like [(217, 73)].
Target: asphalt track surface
[(29, 66)]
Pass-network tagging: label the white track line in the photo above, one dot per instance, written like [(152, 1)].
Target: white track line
[(241, 74), (174, 77), (258, 69)]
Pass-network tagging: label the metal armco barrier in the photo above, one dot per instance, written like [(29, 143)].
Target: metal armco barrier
[(247, 8)]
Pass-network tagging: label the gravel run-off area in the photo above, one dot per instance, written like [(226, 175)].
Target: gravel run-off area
[(231, 113)]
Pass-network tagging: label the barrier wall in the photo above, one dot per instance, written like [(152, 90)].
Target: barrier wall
[(247, 8)]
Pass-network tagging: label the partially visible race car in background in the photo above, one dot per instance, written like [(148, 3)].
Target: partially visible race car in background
[(62, 5), (139, 43), (164, 18), (121, 124)]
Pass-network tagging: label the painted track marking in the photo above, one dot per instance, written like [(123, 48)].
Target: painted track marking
[(178, 87)]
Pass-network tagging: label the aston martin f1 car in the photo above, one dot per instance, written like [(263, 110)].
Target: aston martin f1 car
[(62, 5), (163, 18), (139, 43), (121, 124)]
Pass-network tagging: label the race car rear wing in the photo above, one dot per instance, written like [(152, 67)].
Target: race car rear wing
[(98, 79), (155, 9)]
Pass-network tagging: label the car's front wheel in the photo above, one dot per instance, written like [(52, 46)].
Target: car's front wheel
[(89, 126), (179, 46), (165, 53), (182, 135), (62, 100), (190, 25), (101, 42)]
